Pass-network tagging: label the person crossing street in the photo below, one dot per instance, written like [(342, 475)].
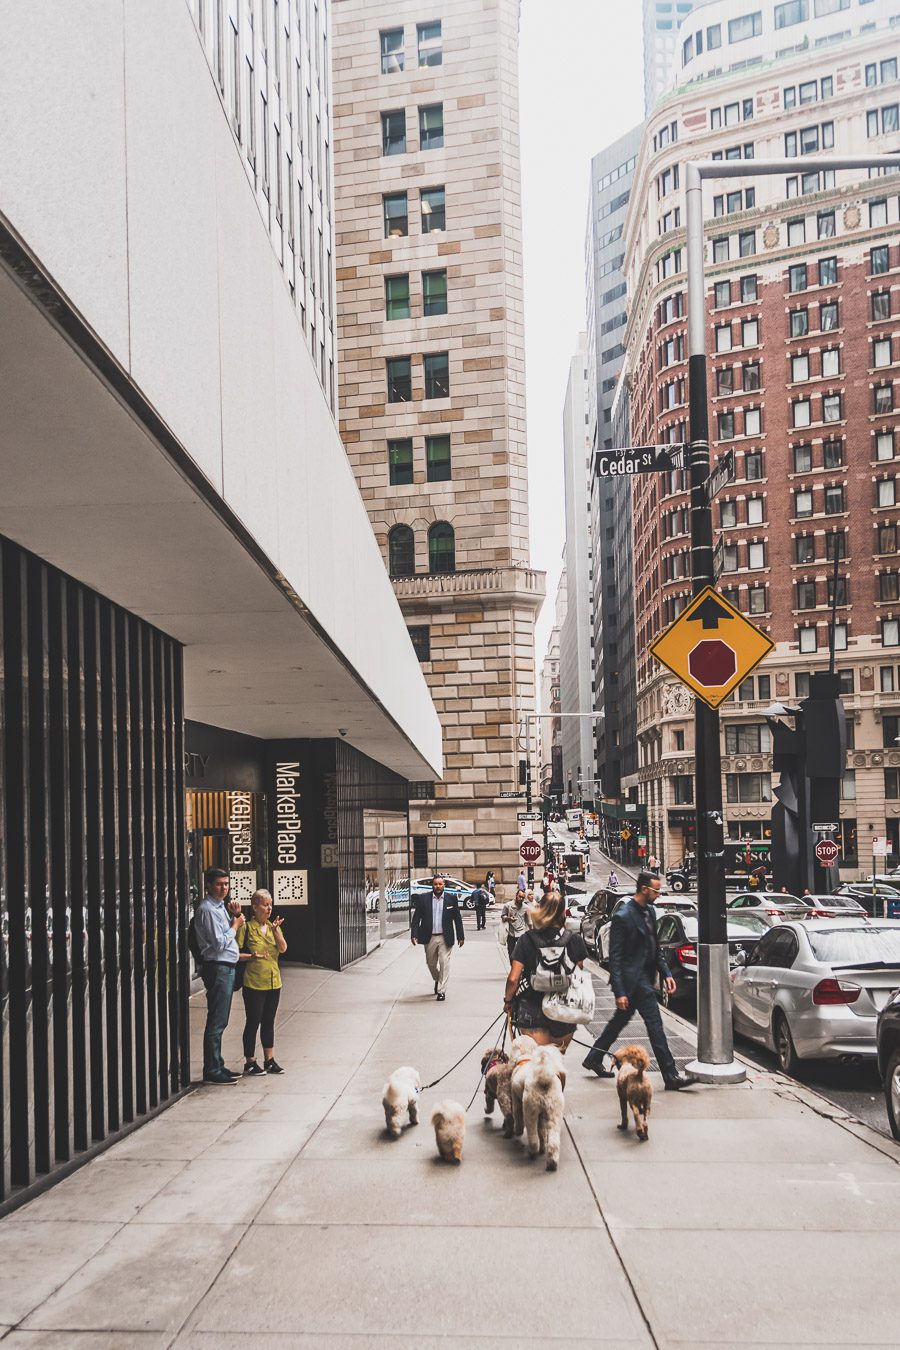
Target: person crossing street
[(635, 960)]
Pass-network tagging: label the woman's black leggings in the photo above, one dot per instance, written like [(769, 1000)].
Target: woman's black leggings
[(260, 1007)]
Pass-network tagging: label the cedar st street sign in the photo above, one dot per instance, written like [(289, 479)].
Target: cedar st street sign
[(639, 459), (711, 647)]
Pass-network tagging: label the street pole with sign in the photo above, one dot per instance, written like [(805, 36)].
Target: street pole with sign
[(436, 826)]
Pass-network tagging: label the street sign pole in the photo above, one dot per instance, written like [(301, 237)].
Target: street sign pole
[(715, 1062)]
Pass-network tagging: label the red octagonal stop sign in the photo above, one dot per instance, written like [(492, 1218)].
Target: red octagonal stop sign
[(712, 663), (826, 852)]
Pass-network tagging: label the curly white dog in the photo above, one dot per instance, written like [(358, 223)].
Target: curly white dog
[(538, 1081), (401, 1094)]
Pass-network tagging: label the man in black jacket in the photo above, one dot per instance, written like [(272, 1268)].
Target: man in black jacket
[(436, 924), (635, 959)]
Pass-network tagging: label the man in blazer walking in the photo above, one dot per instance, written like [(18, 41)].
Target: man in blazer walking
[(635, 959), (436, 925)]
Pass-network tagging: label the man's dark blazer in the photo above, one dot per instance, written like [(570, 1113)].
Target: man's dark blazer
[(631, 951), (421, 926)]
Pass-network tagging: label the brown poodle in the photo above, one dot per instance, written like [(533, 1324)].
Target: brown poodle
[(634, 1088), (497, 1072)]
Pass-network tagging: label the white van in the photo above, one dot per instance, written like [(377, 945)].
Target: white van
[(573, 819)]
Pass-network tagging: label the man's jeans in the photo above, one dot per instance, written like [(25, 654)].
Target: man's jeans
[(219, 981), (642, 999)]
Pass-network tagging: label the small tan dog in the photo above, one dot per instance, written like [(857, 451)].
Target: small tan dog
[(401, 1094), (497, 1072), (449, 1121), (543, 1103), (634, 1088)]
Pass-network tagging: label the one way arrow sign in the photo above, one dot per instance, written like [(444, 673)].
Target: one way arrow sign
[(711, 647), (711, 612)]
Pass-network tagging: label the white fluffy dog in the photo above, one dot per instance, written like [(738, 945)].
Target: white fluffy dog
[(401, 1094), (537, 1088), (521, 1052), (449, 1121)]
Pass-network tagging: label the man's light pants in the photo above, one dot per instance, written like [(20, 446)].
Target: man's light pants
[(438, 954)]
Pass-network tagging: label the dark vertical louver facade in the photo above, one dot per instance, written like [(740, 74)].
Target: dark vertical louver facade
[(94, 967)]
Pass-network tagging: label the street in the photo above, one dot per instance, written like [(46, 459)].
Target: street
[(855, 1088)]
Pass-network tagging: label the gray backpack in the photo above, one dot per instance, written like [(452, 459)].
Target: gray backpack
[(553, 972)]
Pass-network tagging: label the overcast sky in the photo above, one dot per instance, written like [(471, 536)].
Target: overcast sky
[(581, 86)]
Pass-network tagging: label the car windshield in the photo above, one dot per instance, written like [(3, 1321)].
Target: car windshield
[(863, 946), (751, 922), (835, 901)]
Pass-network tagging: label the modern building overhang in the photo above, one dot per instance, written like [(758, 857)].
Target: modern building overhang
[(95, 484)]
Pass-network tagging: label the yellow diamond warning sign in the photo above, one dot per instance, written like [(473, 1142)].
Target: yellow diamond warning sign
[(711, 647)]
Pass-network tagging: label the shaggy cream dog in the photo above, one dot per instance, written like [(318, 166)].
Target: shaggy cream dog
[(401, 1094), (521, 1052), (542, 1103), (449, 1121), (634, 1089), (497, 1072)]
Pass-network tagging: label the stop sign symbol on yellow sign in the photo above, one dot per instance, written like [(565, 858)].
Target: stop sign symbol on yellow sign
[(711, 647)]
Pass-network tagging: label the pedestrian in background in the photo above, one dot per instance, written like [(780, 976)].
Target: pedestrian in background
[(635, 960), (516, 914), (522, 881), (261, 942), (480, 896), (490, 884), (436, 925), (216, 923)]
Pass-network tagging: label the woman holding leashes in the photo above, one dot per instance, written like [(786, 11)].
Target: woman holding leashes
[(261, 942), (530, 977)]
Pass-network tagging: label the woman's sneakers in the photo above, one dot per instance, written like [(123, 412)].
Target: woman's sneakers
[(272, 1066), (252, 1069)]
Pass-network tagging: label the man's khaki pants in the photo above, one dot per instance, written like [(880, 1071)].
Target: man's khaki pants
[(437, 955)]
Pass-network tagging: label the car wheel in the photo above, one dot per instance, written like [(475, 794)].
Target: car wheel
[(788, 1059), (677, 885), (892, 1093)]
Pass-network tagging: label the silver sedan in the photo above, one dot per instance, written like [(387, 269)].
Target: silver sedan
[(812, 988)]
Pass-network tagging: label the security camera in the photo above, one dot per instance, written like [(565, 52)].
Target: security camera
[(342, 731)]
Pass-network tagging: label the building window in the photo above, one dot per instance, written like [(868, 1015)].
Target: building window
[(797, 277), (802, 458), (725, 426), (883, 398), (441, 547), (890, 632), (799, 368), (751, 376), (887, 586), (747, 26), (437, 375), (753, 465), (420, 637), (796, 235), (803, 503), (841, 591), (724, 381), (756, 510), (805, 548), (794, 11), (683, 788), (396, 297), (806, 595), (720, 250), (835, 545), (831, 408), (892, 777), (728, 515), (730, 558), (431, 52), (808, 637), (886, 492), (437, 458), (747, 243), (757, 600), (400, 462), (756, 556), (750, 333), (884, 445), (393, 132), (801, 413), (723, 338), (723, 294), (881, 260), (825, 228), (396, 215), (828, 317), (831, 363), (433, 210), (832, 454), (752, 422), (391, 51), (434, 292), (748, 787), (752, 739), (839, 634), (881, 353), (887, 539), (799, 322), (827, 271), (749, 289), (834, 500), (401, 551), (399, 379), (887, 687), (431, 127)]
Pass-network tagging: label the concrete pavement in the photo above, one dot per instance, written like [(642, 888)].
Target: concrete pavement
[(277, 1211)]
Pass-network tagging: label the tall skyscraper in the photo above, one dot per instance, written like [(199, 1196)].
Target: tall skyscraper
[(431, 389), (661, 21)]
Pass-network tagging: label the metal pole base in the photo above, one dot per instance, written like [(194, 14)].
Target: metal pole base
[(716, 1073)]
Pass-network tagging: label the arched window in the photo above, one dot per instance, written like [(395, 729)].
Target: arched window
[(441, 547), (401, 551)]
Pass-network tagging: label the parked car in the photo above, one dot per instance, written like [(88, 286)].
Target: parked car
[(598, 912), (834, 906), (812, 988), (770, 906), (874, 899), (887, 1040), (663, 904), (678, 934), (575, 912), (452, 886)]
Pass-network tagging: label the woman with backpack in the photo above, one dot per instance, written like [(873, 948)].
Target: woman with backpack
[(547, 947)]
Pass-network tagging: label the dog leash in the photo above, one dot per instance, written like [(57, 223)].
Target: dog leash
[(498, 1044), (462, 1057)]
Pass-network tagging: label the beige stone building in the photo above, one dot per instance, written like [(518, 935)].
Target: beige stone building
[(431, 376)]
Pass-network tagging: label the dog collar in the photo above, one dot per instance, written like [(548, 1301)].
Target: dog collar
[(526, 1060)]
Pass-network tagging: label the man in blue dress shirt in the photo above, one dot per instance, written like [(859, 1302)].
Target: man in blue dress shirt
[(437, 924), (216, 923)]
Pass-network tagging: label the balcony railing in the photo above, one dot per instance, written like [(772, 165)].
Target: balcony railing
[(476, 581)]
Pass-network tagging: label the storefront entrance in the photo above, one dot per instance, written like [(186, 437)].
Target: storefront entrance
[(227, 830)]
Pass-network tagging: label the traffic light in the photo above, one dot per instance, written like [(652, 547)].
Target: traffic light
[(523, 772)]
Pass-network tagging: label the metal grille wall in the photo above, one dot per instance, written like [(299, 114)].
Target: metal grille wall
[(94, 964)]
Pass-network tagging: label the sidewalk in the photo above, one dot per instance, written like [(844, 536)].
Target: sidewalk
[(276, 1213)]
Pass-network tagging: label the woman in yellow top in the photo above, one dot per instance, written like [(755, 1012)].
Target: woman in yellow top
[(262, 942)]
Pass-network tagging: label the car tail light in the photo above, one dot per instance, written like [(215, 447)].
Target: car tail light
[(779, 913), (686, 953), (835, 991)]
